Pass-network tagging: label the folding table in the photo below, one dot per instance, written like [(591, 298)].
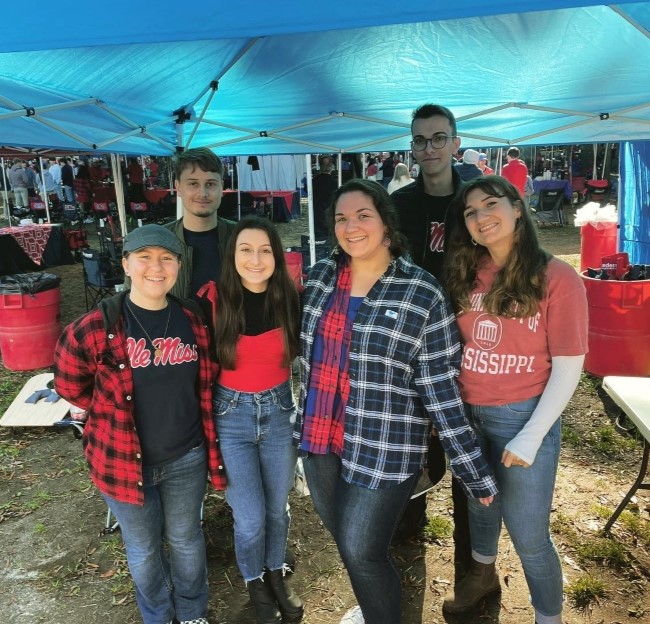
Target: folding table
[(632, 395)]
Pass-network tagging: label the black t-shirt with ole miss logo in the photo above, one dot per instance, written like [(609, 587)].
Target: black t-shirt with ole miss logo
[(165, 373)]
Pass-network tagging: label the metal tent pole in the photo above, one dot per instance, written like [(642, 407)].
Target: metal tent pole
[(45, 197), (310, 212)]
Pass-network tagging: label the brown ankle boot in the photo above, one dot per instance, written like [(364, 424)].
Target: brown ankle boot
[(481, 581)]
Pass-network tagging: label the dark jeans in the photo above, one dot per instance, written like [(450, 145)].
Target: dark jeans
[(415, 512), (362, 522)]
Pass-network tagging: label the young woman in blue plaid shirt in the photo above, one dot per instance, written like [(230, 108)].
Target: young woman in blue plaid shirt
[(380, 357)]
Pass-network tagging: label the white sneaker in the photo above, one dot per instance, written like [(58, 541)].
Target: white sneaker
[(353, 616)]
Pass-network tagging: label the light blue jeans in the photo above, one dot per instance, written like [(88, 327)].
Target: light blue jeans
[(362, 523), (173, 495), (523, 503), (255, 432)]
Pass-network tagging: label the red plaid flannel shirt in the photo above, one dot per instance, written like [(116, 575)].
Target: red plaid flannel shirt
[(92, 371), (325, 421)]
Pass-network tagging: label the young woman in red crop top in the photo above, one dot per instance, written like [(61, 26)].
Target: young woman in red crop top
[(257, 325)]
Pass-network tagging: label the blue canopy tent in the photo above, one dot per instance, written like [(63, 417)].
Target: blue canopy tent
[(255, 78), (634, 216), (130, 78)]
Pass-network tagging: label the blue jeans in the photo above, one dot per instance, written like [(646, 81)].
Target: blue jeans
[(255, 432), (362, 523), (173, 496), (523, 503)]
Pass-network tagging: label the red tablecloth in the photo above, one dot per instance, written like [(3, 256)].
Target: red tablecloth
[(32, 238), (103, 192), (155, 195), (288, 197)]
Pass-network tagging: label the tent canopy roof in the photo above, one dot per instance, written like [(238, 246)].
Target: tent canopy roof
[(310, 78)]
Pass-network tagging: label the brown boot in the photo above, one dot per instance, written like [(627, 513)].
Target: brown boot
[(481, 581)]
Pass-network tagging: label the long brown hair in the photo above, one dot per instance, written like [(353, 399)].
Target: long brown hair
[(520, 284), (281, 308)]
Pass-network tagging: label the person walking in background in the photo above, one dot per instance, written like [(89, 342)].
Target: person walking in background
[(529, 190), (18, 181), (522, 360), (364, 421), (388, 169), (371, 172), (50, 187), (379, 175), (483, 164), (140, 365), (83, 189), (422, 211), (401, 178), (67, 180), (31, 175), (323, 187), (257, 326), (468, 168), (135, 175), (55, 171), (515, 171)]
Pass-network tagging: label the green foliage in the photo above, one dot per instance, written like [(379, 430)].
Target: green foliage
[(590, 383), (10, 386), (604, 550), (584, 591), (604, 439), (9, 451), (608, 441), (20, 505), (438, 528), (561, 524)]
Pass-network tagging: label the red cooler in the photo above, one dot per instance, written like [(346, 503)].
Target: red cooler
[(596, 240), (30, 320), (619, 327)]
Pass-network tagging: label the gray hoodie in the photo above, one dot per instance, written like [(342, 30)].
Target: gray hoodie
[(17, 177)]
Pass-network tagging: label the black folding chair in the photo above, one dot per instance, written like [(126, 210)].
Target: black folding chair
[(99, 277), (550, 208), (323, 250)]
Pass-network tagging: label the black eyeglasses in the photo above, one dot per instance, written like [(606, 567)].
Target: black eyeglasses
[(438, 141)]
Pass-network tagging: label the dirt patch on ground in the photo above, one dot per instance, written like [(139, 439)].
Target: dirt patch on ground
[(57, 567)]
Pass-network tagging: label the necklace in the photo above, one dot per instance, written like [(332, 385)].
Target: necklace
[(156, 351)]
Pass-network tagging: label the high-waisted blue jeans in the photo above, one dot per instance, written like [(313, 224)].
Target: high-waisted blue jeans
[(255, 432), (173, 497), (523, 503), (362, 522)]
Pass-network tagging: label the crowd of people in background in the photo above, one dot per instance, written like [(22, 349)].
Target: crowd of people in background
[(72, 180)]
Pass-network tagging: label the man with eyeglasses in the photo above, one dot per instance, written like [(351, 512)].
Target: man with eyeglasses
[(423, 205), (423, 212)]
